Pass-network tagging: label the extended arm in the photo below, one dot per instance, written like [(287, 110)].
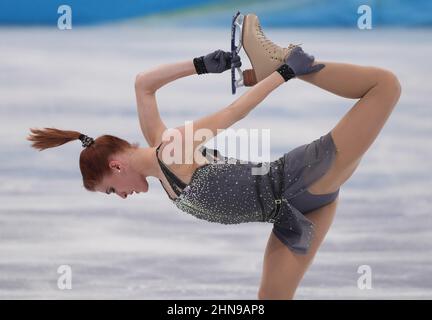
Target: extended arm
[(227, 116), (150, 121), (155, 78), (146, 84), (298, 63), (252, 97)]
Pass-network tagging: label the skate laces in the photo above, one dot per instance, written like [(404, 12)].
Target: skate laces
[(278, 53)]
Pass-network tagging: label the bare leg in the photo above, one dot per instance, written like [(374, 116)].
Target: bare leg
[(378, 91), (345, 80), (283, 269)]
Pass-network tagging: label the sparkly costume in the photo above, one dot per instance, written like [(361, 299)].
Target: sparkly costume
[(231, 191)]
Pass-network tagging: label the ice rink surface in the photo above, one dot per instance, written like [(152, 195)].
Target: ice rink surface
[(145, 248)]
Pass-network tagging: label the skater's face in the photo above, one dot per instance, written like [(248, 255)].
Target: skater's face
[(123, 180)]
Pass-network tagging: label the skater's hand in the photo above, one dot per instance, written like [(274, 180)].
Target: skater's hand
[(216, 62), (301, 62)]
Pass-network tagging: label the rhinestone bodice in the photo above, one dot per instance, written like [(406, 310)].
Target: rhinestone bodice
[(230, 191)]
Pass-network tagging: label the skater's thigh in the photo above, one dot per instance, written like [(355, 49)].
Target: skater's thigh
[(356, 131), (339, 172), (283, 269)]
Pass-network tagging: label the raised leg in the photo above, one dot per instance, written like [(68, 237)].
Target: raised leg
[(283, 269), (378, 91)]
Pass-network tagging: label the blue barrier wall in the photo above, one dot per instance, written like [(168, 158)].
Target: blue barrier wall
[(274, 13)]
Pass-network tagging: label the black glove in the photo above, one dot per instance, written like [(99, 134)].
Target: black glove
[(216, 62), (298, 63)]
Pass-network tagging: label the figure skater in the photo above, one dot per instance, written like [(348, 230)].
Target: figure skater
[(299, 191)]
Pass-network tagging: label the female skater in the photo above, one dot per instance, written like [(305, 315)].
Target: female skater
[(299, 191)]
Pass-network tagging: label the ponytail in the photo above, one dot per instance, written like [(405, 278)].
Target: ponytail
[(94, 158), (51, 137)]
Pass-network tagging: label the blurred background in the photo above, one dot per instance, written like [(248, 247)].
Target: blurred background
[(82, 78)]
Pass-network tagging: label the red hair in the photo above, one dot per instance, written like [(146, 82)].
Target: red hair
[(93, 159)]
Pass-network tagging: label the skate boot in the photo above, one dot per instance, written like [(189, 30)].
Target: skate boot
[(264, 55)]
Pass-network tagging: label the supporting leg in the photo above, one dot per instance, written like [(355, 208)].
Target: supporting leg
[(283, 269)]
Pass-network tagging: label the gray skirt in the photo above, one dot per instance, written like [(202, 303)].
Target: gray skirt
[(302, 167)]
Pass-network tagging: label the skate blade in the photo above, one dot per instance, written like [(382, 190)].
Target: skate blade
[(236, 45)]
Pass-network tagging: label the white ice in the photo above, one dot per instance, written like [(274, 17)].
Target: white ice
[(143, 247)]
